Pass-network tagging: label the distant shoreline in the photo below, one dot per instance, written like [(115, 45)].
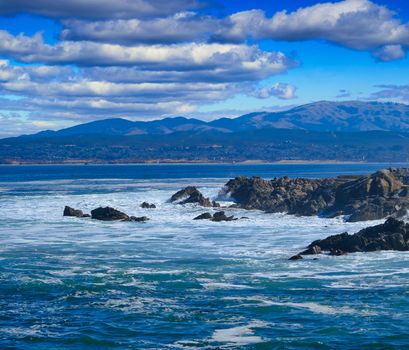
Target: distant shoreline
[(169, 162)]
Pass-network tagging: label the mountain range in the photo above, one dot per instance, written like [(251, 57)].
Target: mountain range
[(318, 131), (323, 116)]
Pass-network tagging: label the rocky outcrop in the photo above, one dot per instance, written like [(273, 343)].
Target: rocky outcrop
[(294, 196), (372, 197), (108, 214), (191, 194), (391, 235), (68, 211), (146, 205), (358, 198)]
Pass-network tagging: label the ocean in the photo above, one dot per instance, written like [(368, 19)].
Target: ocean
[(175, 283)]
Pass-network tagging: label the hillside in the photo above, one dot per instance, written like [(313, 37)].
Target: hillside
[(347, 131), (322, 116)]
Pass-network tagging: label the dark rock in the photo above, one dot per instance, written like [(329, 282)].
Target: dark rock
[(358, 198), (108, 214), (183, 194), (293, 196), (391, 235), (204, 216), (221, 216), (138, 219), (296, 257), (146, 205), (68, 211), (312, 250), (372, 197), (191, 194), (336, 252)]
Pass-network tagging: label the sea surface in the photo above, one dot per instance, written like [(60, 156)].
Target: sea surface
[(175, 283)]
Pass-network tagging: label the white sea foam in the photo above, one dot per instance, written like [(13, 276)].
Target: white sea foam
[(239, 335)]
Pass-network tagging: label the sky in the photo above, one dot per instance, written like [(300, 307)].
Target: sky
[(68, 62)]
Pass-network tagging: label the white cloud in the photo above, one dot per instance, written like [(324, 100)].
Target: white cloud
[(356, 24), (389, 53), (178, 56), (280, 90), (181, 27)]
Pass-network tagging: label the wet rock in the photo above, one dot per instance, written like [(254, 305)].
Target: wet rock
[(296, 257), (391, 235), (372, 197), (204, 216), (191, 194), (146, 205), (138, 219), (68, 211), (221, 216), (108, 214), (358, 198), (293, 196), (312, 250)]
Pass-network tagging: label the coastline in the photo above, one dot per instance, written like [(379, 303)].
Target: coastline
[(181, 162)]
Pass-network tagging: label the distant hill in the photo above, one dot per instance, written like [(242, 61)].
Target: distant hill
[(321, 116), (347, 131), (326, 116)]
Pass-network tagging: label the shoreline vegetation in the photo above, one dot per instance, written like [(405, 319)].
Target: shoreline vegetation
[(335, 133)]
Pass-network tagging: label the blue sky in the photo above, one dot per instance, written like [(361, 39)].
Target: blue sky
[(64, 63)]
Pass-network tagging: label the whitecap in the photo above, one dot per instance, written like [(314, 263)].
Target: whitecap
[(239, 335)]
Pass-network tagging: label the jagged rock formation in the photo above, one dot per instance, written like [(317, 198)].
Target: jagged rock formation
[(372, 197), (391, 235), (294, 196), (359, 198), (191, 194), (68, 211)]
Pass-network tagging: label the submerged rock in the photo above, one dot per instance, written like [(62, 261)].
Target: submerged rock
[(146, 205), (68, 211), (217, 217), (391, 235), (108, 214), (191, 194), (138, 219)]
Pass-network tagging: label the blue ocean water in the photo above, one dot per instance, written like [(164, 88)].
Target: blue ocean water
[(175, 283)]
